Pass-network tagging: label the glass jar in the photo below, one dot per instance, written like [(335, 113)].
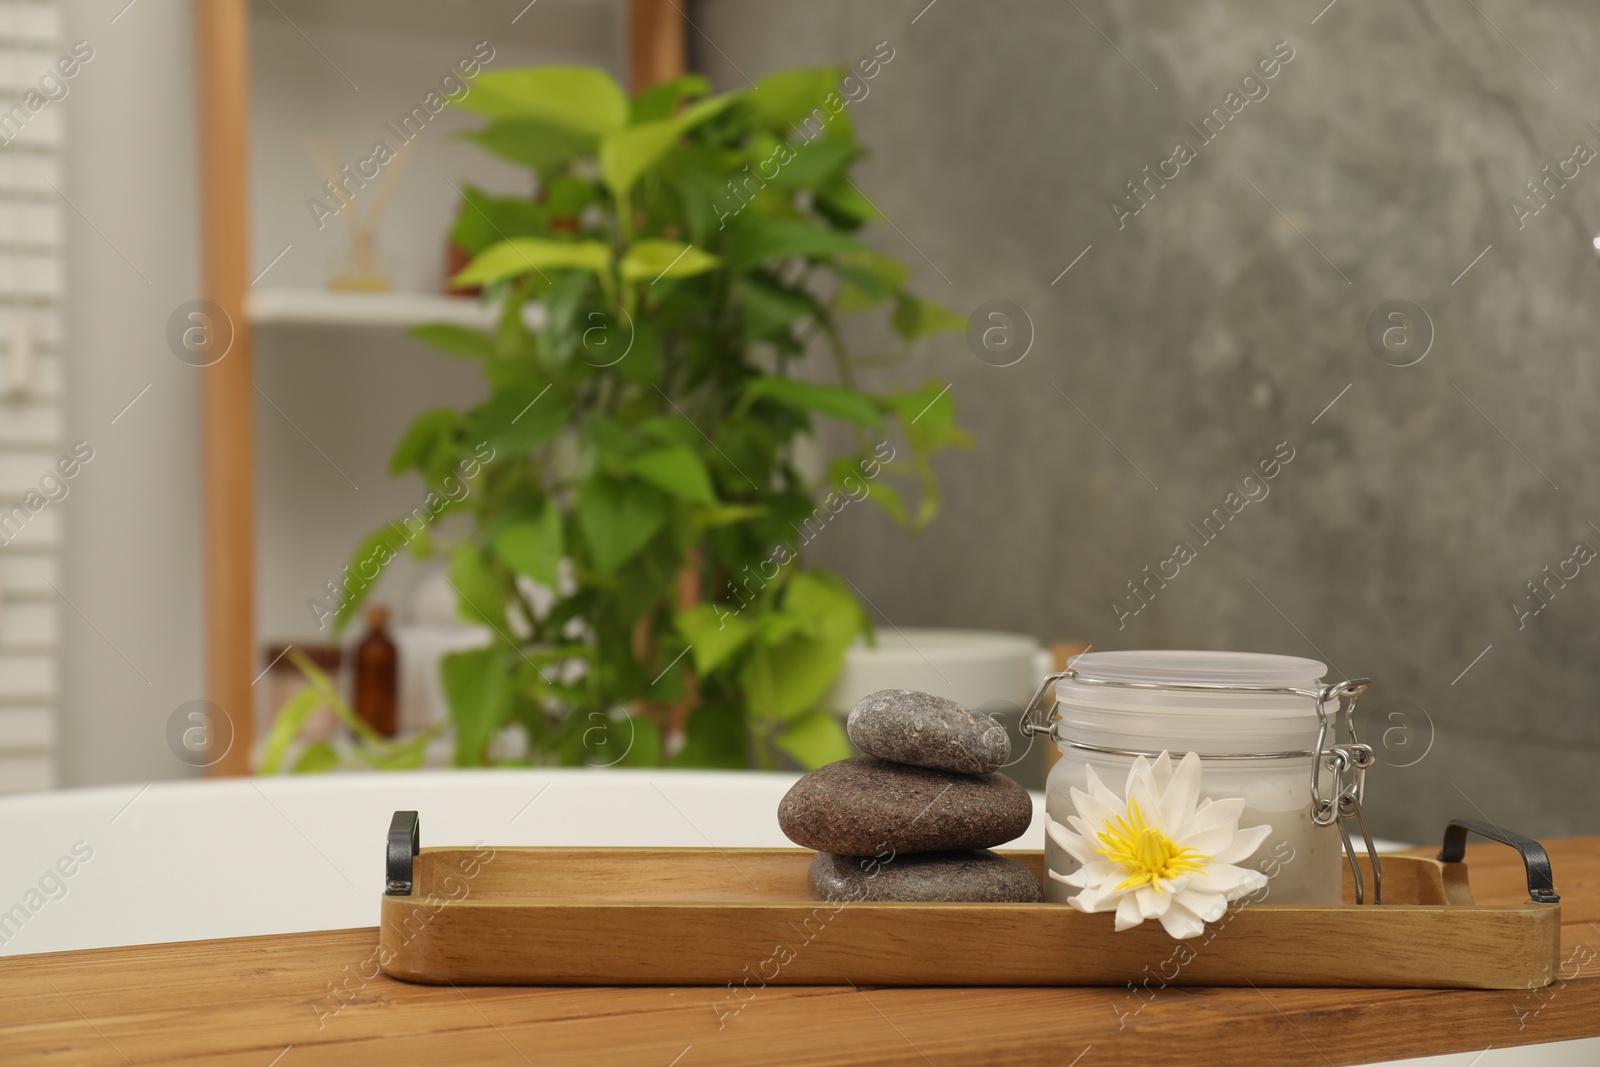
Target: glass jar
[(1113, 705)]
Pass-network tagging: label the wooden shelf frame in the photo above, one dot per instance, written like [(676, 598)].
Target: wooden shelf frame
[(657, 52)]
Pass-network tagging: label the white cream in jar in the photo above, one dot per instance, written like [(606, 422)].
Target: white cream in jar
[(1138, 708)]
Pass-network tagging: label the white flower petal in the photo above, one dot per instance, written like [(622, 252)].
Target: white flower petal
[(1209, 814), (1075, 845), (1104, 875), (1094, 810), (1104, 871), (1208, 906), (1161, 770), (1210, 842), (1128, 915), (1098, 790), (1152, 901), (1180, 791), (1232, 882), (1174, 886), (1102, 896), (1182, 923), (1245, 843), (1142, 790)]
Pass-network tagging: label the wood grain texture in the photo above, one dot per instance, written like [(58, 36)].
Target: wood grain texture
[(227, 406), (242, 1001), (574, 916), (657, 51)]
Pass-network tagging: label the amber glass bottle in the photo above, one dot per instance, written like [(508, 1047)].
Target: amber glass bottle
[(377, 675)]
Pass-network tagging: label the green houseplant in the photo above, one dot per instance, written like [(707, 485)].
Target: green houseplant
[(636, 503)]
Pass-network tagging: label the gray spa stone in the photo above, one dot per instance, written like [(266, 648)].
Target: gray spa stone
[(864, 806), (927, 731), (978, 876)]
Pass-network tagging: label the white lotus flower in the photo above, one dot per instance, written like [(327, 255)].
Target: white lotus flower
[(1161, 854)]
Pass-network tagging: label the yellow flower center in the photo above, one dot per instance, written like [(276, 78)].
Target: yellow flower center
[(1145, 852)]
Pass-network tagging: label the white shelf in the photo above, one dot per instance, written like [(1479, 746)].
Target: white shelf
[(324, 307)]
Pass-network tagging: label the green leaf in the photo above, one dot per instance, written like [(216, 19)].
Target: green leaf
[(429, 432), (889, 499), (618, 519), (640, 363), (534, 546), (619, 739), (455, 340), (769, 309), (607, 442), (929, 413), (870, 279), (661, 99), (814, 163), (827, 604), (878, 487), (758, 238), (329, 695), (581, 99), (718, 737), (540, 144), (286, 727), (821, 619), (627, 153), (788, 97), (484, 220), (656, 259), (914, 318), (479, 691), (728, 514), (785, 681), (676, 470), (702, 189), (715, 632), (520, 418), (646, 749), (832, 400), (815, 739), (315, 758), (842, 204), (525, 255), (371, 555), (478, 592)]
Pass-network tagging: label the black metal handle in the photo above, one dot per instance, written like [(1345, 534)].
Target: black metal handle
[(1535, 860), (405, 838)]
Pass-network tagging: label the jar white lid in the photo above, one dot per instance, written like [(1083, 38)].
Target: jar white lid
[(1183, 720), (1194, 667)]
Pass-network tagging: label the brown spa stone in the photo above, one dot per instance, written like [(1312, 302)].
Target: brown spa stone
[(977, 876), (864, 806), (927, 731)]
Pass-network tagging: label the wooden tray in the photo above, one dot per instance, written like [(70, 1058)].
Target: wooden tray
[(744, 918)]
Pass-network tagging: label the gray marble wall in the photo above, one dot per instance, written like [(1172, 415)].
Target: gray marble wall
[(1217, 325)]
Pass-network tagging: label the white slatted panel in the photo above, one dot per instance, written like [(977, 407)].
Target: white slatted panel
[(31, 275)]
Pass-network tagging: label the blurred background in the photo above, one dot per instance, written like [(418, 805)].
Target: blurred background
[(1375, 266)]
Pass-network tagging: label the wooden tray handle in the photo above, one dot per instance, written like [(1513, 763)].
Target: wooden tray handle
[(405, 839), (1535, 860)]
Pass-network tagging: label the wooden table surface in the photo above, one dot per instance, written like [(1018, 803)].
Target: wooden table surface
[(245, 1001)]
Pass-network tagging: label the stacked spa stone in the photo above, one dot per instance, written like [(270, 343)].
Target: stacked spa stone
[(913, 819)]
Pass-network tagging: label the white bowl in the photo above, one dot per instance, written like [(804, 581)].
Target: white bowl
[(971, 667)]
